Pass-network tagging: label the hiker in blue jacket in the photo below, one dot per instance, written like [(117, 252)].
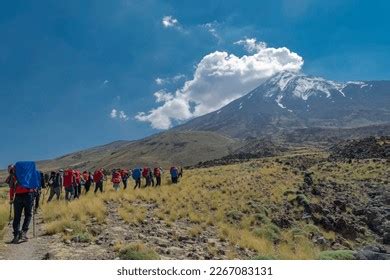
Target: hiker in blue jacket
[(174, 174), (136, 174)]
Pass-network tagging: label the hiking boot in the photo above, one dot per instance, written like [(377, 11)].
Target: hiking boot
[(23, 236), (16, 239)]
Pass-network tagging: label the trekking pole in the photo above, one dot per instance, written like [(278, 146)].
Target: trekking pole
[(33, 213)]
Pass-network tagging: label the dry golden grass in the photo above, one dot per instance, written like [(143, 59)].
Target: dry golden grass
[(4, 214), (132, 214), (61, 215), (237, 201)]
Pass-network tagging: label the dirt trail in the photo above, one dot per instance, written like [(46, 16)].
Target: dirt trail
[(35, 249)]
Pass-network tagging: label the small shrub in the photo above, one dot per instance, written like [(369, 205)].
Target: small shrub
[(137, 251), (337, 255), (270, 232), (234, 216)]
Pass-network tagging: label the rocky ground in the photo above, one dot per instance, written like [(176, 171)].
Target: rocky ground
[(372, 147), (337, 203)]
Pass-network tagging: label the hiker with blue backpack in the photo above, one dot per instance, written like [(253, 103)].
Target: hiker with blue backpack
[(174, 174), (23, 180), (136, 175)]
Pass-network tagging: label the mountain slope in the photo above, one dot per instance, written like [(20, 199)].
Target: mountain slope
[(289, 101), (164, 149)]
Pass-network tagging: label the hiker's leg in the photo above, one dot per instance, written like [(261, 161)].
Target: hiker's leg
[(51, 195), (87, 186), (75, 191), (68, 194), (79, 189), (28, 208), (18, 209), (57, 192), (99, 187), (72, 192)]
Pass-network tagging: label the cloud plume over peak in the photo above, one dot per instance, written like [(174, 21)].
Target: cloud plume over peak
[(219, 78)]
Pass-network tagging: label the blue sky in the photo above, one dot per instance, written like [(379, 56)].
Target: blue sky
[(75, 74)]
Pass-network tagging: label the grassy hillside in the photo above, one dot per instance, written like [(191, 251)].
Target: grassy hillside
[(163, 149), (256, 209)]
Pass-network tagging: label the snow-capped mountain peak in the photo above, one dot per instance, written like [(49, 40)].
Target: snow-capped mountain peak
[(294, 100), (300, 85)]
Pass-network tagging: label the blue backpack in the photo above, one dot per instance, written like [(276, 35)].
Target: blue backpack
[(136, 174), (174, 172), (27, 174)]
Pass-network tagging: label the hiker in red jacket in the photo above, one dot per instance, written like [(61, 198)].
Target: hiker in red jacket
[(116, 179), (145, 174), (88, 180), (157, 173), (125, 176), (98, 177), (23, 200), (69, 183), (77, 188)]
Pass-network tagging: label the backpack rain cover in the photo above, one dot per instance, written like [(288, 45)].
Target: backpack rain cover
[(27, 175)]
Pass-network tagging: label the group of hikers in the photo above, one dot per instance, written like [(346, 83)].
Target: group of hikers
[(26, 184)]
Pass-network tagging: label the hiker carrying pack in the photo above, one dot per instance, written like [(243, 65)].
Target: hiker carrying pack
[(69, 183), (157, 173), (55, 183), (98, 177), (145, 174), (151, 179), (77, 185), (174, 174), (180, 175), (116, 179), (38, 191), (24, 181), (136, 174), (88, 179), (125, 177)]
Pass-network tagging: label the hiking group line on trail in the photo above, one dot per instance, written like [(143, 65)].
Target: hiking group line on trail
[(28, 187)]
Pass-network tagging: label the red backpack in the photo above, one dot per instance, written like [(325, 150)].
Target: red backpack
[(116, 177), (157, 172), (145, 172)]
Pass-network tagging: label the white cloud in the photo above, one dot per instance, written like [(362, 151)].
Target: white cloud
[(169, 21), (163, 96), (159, 81), (123, 116), (220, 78), (115, 114), (251, 45), (174, 79), (211, 27)]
